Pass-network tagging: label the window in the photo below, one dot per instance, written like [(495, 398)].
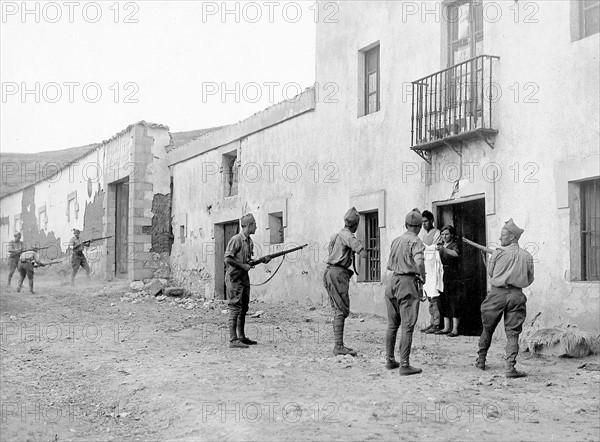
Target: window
[(465, 31), (372, 265), (230, 174), (590, 230), (372, 80), (72, 206), (589, 17), (276, 227), (43, 218), (182, 234)]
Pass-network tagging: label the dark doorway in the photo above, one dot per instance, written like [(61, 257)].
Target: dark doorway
[(223, 233), (121, 228), (468, 218)]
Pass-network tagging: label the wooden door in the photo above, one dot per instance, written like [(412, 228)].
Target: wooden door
[(121, 228)]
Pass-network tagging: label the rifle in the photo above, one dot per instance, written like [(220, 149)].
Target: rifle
[(34, 249), (48, 264), (478, 246), (274, 255), (89, 241)]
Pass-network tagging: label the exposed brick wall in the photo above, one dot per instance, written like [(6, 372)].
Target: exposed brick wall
[(162, 237), (93, 216)]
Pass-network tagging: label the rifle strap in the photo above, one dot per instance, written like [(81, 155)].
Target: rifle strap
[(270, 277)]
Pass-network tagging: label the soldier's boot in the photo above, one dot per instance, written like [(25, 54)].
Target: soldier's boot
[(390, 345), (234, 342), (338, 335), (480, 362), (512, 349), (241, 323)]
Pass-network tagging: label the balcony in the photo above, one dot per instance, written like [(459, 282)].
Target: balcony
[(453, 105)]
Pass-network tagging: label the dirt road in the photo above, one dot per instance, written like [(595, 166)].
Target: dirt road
[(93, 363)]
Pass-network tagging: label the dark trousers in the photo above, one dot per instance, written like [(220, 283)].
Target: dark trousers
[(402, 303), (238, 295), (13, 263), (26, 269), (78, 260), (510, 302)]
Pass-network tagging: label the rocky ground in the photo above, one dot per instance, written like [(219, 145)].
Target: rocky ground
[(99, 363)]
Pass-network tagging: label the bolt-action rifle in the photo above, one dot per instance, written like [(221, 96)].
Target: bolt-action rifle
[(90, 241), (478, 246), (34, 249), (48, 264), (262, 259)]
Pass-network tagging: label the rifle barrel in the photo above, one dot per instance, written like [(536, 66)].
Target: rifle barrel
[(276, 254)]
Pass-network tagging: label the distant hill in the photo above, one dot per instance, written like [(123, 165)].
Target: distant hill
[(19, 170)]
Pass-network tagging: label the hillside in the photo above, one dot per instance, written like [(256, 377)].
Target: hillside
[(20, 169)]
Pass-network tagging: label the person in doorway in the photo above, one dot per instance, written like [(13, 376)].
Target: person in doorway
[(15, 248), (27, 262), (78, 259), (450, 298), (402, 295), (510, 269), (433, 266), (342, 247), (240, 249)]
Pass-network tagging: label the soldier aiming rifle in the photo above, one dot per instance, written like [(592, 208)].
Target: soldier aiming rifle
[(78, 259), (28, 260)]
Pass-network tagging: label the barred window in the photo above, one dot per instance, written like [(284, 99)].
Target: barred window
[(589, 17), (373, 261), (590, 230)]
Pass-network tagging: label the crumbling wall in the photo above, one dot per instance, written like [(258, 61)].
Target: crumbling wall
[(33, 236), (160, 230), (92, 217)]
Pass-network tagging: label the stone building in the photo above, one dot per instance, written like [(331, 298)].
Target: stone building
[(119, 188), (477, 111)]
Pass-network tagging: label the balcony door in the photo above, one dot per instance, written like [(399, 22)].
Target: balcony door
[(464, 105)]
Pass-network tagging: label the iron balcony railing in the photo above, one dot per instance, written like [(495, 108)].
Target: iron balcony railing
[(454, 101)]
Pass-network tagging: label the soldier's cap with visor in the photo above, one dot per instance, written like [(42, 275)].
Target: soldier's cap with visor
[(414, 218), (247, 219), (513, 228), (76, 231)]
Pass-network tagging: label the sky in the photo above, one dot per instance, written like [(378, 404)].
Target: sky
[(75, 73)]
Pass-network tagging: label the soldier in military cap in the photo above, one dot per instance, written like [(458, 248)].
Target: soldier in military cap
[(240, 249), (402, 292), (15, 248), (78, 259), (510, 269), (342, 247)]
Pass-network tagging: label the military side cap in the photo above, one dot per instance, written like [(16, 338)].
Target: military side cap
[(76, 231), (247, 219), (414, 218), (352, 217), (513, 228)]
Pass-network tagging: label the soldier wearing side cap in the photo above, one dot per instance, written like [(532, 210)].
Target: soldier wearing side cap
[(240, 249), (336, 278), (510, 269), (15, 248), (402, 297), (78, 259)]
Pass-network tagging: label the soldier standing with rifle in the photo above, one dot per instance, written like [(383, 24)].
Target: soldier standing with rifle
[(237, 257), (15, 248), (510, 269), (77, 257), (342, 247), (402, 292)]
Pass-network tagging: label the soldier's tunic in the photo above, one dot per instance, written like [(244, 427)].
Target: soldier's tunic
[(14, 251), (401, 293), (510, 270)]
